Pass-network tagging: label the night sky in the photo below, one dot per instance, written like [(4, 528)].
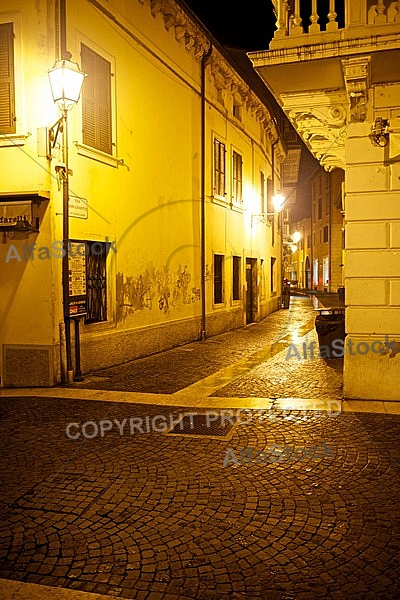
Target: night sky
[(250, 26)]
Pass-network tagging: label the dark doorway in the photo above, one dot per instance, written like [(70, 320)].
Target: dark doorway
[(251, 291), (308, 274)]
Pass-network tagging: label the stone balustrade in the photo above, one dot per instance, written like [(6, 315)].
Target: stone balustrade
[(293, 22)]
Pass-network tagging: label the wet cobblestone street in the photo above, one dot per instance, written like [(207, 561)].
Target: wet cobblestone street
[(262, 346), (132, 511)]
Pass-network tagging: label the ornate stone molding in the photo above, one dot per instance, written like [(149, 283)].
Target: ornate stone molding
[(186, 32), (226, 78), (320, 120), (224, 75), (356, 77)]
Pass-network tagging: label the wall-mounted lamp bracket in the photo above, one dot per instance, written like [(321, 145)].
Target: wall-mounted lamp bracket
[(52, 137), (262, 217)]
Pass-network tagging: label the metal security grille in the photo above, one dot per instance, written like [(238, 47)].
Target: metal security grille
[(96, 282), (207, 425)]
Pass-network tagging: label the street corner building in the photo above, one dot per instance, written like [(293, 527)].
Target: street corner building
[(337, 78), (136, 212)]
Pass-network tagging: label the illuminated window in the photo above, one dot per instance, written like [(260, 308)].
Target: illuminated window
[(236, 277), (219, 168), (7, 93), (218, 278), (96, 101), (236, 177)]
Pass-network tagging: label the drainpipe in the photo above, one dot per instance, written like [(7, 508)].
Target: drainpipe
[(63, 30), (330, 232), (204, 60), (279, 232), (312, 239)]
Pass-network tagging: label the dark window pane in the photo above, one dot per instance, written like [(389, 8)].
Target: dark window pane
[(218, 278), (236, 278), (96, 289)]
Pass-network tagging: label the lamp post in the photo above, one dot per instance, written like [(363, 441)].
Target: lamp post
[(66, 81)]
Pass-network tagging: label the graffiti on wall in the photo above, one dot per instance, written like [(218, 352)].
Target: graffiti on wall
[(154, 288)]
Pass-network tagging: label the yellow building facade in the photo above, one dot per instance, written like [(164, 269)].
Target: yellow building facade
[(172, 161), (337, 77)]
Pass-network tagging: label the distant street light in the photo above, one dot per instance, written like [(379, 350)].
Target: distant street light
[(66, 81), (296, 237)]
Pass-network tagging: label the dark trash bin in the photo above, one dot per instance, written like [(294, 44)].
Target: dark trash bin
[(330, 327)]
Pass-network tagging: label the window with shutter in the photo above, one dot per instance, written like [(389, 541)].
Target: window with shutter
[(219, 168), (237, 177), (96, 101), (7, 97)]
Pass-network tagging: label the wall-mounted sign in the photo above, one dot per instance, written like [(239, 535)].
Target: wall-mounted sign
[(77, 279), (78, 207), (13, 214), (77, 307)]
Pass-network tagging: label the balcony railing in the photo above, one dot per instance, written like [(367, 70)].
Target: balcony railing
[(293, 20)]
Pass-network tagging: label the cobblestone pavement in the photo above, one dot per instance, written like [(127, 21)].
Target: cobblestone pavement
[(253, 358), (154, 515), (290, 375)]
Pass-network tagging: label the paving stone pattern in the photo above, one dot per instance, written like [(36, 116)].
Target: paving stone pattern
[(178, 368), (158, 516), (287, 376)]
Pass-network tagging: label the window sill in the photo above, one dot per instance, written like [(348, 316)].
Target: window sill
[(98, 155), (236, 206), (218, 305), (12, 139), (219, 200)]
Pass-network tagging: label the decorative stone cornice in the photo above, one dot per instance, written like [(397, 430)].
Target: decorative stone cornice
[(356, 78), (320, 119), (226, 78), (186, 31), (224, 75)]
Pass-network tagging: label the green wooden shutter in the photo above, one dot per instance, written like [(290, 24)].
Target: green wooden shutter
[(96, 101), (7, 98), (104, 105), (88, 97)]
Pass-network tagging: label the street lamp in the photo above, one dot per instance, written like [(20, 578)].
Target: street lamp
[(66, 81), (277, 201)]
